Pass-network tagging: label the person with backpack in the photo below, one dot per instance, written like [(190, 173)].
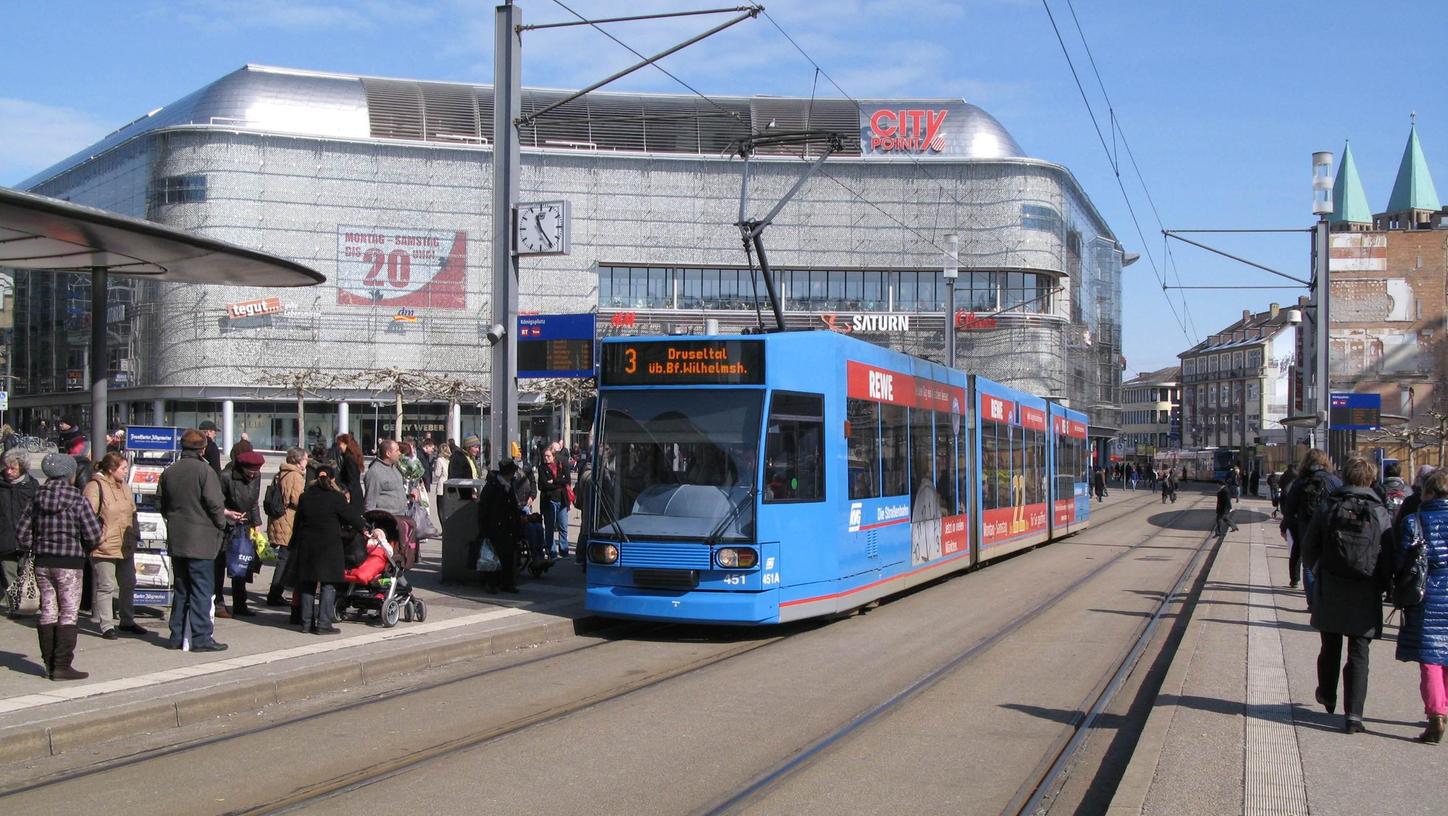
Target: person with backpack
[(1395, 487), (1349, 547), (1307, 495), (1424, 635)]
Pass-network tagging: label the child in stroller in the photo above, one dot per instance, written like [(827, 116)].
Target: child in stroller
[(379, 584)]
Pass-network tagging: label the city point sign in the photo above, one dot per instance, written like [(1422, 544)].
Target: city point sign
[(912, 130)]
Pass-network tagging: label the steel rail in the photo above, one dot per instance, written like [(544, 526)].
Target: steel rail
[(810, 753), (1029, 797), (358, 780)]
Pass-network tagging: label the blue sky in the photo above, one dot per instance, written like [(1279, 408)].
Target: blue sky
[(1222, 103)]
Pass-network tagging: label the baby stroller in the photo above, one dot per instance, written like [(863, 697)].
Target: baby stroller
[(379, 584)]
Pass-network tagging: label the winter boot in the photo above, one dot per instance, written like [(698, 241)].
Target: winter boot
[(65, 637), (46, 633), (1437, 725), (239, 606)]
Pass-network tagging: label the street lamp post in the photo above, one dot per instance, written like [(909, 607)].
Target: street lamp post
[(1322, 208), (952, 271)]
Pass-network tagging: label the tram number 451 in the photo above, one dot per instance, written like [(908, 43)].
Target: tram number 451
[(768, 579)]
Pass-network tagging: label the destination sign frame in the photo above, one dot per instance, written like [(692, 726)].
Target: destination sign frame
[(684, 362), (1355, 412)]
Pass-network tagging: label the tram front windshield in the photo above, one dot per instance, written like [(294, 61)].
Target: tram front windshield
[(677, 465)]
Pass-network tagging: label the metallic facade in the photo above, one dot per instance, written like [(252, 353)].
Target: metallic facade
[(289, 162)]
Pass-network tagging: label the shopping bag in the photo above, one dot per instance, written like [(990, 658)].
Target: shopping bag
[(265, 552), (240, 553), (422, 525), (488, 558)]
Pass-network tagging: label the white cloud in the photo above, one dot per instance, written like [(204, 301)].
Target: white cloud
[(36, 136)]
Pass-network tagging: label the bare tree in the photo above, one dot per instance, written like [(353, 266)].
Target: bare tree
[(566, 391), (398, 381), (1417, 437), (456, 390), (302, 383)]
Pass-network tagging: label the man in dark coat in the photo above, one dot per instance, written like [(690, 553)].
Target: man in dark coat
[(1224, 510), (212, 454), (189, 497), (17, 491), (464, 461), (317, 556), (1348, 606), (500, 520)]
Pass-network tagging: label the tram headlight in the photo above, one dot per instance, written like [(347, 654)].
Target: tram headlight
[(736, 557), (601, 553)]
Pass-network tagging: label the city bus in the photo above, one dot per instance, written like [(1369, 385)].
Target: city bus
[(756, 479)]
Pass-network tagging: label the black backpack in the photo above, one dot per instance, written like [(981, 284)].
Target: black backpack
[(272, 504), (1353, 541)]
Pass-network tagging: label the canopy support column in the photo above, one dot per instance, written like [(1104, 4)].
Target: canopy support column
[(99, 361)]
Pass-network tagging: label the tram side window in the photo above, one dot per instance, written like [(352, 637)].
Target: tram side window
[(794, 448), (894, 449), (1036, 472), (922, 453), (962, 442), (990, 453), (946, 477), (863, 428)]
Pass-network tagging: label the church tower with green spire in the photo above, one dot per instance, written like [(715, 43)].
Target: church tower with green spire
[(1414, 201), (1350, 210)]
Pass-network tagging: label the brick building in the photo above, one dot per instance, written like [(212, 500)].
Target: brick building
[(1387, 309)]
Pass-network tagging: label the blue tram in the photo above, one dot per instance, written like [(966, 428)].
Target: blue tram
[(757, 479)]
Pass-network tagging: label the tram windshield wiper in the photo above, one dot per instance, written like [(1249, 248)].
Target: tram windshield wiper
[(606, 505), (747, 500)]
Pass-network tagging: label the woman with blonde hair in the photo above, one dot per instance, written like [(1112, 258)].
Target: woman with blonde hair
[(112, 563)]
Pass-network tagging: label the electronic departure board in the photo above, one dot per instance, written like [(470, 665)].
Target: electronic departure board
[(555, 358), (1355, 412), (684, 362)]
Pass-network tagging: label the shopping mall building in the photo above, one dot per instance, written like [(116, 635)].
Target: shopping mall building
[(384, 185)]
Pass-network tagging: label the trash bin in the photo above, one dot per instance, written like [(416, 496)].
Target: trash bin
[(457, 510)]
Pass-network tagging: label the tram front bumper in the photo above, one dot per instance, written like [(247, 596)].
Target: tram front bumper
[(694, 606)]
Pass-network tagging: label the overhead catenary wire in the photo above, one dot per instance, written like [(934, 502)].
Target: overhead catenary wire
[(1116, 173)]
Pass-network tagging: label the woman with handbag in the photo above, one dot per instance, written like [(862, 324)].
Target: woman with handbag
[(17, 491), (1424, 634), (324, 522), (58, 530), (241, 490), (112, 563)]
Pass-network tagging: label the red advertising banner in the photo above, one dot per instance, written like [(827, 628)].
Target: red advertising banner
[(1005, 523), (954, 534), (883, 385), (401, 267), (1065, 512), (995, 409), (1033, 418), (1078, 430)]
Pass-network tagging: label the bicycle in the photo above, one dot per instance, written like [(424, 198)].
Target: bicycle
[(35, 444)]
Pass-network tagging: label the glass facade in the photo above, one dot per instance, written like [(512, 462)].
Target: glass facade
[(822, 290)]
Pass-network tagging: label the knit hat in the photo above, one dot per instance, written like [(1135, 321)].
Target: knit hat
[(508, 466), (193, 440), (472, 440), (250, 459), (57, 466), (207, 425)]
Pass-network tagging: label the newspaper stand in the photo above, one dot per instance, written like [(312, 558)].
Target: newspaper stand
[(151, 449)]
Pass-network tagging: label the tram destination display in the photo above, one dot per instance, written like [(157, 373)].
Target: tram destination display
[(684, 362)]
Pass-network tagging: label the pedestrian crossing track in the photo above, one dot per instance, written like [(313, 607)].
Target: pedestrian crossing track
[(697, 653)]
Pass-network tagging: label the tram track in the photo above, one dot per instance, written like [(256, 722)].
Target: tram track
[(361, 778), (1050, 770)]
